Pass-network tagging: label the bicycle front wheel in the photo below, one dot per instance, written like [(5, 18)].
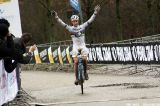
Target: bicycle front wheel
[(82, 87), (81, 83)]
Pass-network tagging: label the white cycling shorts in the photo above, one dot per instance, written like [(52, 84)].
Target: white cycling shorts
[(84, 51)]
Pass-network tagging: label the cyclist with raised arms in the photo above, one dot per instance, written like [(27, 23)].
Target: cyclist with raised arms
[(78, 39)]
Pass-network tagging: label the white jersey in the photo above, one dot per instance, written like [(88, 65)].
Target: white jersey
[(78, 42), (77, 35), (77, 32)]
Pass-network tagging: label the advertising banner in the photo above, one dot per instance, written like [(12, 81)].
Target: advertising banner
[(75, 4), (138, 53)]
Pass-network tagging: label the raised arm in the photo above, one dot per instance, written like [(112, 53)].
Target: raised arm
[(53, 13), (96, 10)]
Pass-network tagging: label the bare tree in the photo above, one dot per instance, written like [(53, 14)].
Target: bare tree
[(119, 20)]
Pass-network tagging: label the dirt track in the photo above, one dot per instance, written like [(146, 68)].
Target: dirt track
[(103, 90)]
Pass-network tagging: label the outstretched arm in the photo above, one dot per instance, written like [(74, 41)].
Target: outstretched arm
[(59, 20), (96, 10)]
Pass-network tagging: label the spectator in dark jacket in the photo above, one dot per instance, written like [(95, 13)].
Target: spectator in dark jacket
[(6, 39), (7, 50), (20, 46)]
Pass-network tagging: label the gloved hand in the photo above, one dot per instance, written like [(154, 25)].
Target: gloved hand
[(54, 13), (97, 9)]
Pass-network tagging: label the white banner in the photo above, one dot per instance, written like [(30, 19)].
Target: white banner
[(8, 85), (9, 9)]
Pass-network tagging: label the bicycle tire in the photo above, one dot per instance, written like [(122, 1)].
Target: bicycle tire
[(81, 76), (82, 87), (81, 83)]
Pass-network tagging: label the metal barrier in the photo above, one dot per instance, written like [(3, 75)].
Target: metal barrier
[(136, 69)]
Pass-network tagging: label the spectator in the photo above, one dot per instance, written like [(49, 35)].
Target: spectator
[(4, 21), (7, 48), (5, 39), (20, 46)]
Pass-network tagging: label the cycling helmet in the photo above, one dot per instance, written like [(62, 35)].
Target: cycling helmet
[(74, 17)]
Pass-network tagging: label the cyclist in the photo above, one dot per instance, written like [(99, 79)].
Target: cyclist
[(78, 39)]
